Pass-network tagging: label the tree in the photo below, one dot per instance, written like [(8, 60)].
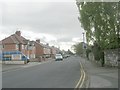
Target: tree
[(78, 48), (99, 20), (101, 24), (69, 52)]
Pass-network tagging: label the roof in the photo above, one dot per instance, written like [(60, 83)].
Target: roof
[(43, 45), (14, 39), (47, 46), (39, 44)]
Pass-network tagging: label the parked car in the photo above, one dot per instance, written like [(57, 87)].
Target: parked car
[(58, 57)]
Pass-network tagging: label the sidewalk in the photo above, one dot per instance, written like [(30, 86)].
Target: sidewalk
[(100, 77)]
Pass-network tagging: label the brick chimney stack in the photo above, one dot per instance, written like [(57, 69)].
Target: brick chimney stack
[(18, 33), (47, 44), (38, 40)]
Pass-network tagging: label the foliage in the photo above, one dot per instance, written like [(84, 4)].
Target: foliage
[(70, 52), (78, 48), (100, 22)]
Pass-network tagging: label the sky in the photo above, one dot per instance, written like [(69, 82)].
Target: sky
[(53, 22)]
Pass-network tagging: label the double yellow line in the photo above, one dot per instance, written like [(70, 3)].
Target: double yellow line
[(82, 78)]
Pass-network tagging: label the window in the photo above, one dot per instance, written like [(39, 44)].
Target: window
[(26, 47), (22, 46), (1, 46)]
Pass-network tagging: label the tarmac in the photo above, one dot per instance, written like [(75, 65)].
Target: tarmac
[(98, 77), (7, 67)]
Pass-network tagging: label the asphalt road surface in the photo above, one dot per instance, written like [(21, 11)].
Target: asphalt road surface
[(54, 74)]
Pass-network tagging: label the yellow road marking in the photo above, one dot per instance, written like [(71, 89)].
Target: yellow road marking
[(79, 79), (82, 78)]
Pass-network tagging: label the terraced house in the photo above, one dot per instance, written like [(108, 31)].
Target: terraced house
[(44, 50)]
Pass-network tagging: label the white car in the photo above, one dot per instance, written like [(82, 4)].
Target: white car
[(58, 57)]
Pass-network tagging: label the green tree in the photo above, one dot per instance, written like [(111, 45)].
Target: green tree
[(78, 48), (100, 21)]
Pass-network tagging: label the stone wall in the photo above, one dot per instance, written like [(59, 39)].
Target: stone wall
[(91, 57), (111, 57)]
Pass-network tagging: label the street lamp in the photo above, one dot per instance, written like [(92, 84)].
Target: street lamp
[(83, 36), (84, 45), (83, 40)]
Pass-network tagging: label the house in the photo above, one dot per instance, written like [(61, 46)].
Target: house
[(47, 50), (16, 42), (42, 49), (54, 50), (39, 48)]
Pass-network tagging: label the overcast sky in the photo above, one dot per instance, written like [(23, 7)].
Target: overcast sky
[(52, 22)]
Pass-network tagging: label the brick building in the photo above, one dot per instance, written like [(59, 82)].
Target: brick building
[(16, 42), (42, 49), (39, 48), (54, 50)]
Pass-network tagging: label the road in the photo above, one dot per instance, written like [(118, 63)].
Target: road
[(54, 74)]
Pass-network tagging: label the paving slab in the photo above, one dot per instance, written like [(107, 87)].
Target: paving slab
[(100, 77)]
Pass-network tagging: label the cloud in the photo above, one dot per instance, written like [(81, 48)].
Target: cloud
[(77, 39), (52, 22), (45, 1), (66, 45)]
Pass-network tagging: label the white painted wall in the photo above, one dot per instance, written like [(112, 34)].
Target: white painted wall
[(14, 62)]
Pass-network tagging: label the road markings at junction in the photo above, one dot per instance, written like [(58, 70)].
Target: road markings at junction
[(82, 78)]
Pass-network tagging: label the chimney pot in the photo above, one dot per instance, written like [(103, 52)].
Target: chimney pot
[(18, 33), (38, 40)]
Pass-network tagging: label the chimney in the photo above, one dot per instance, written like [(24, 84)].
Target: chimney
[(18, 33), (38, 40), (47, 44)]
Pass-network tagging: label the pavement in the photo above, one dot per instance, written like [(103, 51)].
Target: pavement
[(100, 77)]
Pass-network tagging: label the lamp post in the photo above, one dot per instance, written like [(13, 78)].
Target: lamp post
[(83, 36), (83, 40), (84, 44)]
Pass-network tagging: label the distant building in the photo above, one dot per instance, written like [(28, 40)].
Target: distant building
[(39, 48), (54, 50), (44, 50), (47, 50)]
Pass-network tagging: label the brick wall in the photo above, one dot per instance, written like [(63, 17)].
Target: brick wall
[(39, 50), (9, 47)]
